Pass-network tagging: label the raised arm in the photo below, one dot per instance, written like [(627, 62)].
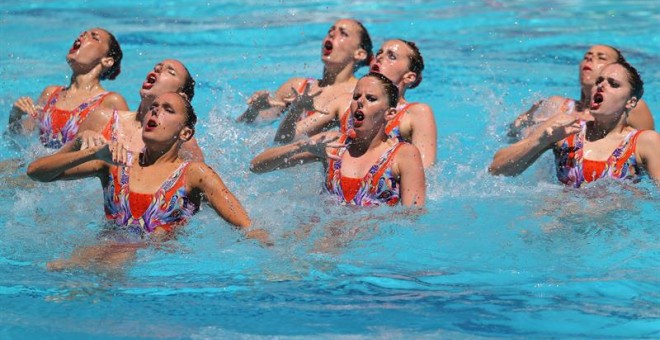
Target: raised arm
[(516, 158), (424, 132), (70, 165), (301, 152), (322, 119), (411, 172)]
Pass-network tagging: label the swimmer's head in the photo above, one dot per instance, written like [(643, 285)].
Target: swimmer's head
[(617, 89), (347, 41), (374, 100), (169, 75), (96, 47), (594, 60), (400, 61), (170, 117)]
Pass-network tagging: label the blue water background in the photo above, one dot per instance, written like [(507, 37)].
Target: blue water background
[(512, 257)]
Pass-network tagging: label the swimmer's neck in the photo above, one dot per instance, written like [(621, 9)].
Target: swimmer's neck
[(87, 82), (598, 129), (359, 146), (154, 154), (585, 98), (336, 76)]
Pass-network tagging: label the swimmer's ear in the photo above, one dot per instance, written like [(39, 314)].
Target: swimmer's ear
[(409, 78), (390, 114), (186, 134), (184, 95), (360, 56), (107, 62), (631, 103)]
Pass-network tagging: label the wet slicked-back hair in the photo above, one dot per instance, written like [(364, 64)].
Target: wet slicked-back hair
[(635, 80), (365, 44), (114, 52), (391, 90), (189, 85), (416, 62)]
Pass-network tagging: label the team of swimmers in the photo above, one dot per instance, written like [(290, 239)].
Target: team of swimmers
[(373, 144)]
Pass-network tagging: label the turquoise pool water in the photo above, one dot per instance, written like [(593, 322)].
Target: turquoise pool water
[(492, 257)]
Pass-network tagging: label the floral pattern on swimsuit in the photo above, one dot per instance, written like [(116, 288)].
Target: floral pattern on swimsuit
[(57, 126), (574, 170), (167, 208), (379, 186)]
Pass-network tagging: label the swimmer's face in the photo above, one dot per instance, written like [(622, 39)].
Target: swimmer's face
[(593, 61), (167, 76), (342, 43), (393, 61), (166, 119), (612, 92), (89, 48), (369, 105)]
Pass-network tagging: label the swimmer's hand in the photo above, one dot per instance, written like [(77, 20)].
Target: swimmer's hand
[(258, 102), (90, 139), (303, 102), (323, 145), (561, 126), (25, 106), (114, 153)]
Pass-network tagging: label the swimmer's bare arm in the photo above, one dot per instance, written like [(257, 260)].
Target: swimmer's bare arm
[(408, 163), (69, 165), (516, 158), (25, 107), (297, 153), (640, 117), (96, 120), (424, 132), (648, 150), (202, 178), (264, 107)]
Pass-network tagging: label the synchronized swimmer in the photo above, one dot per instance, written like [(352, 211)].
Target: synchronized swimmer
[(373, 144)]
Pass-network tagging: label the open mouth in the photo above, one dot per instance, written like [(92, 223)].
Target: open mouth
[(359, 116), (151, 124), (327, 47), (375, 68), (75, 46), (586, 68), (149, 82), (596, 101)]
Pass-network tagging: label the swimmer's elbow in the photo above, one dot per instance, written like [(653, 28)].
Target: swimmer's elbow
[(35, 174)]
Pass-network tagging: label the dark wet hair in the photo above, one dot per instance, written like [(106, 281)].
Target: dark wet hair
[(188, 85), (416, 62), (619, 55), (365, 44), (635, 80), (114, 52), (391, 90)]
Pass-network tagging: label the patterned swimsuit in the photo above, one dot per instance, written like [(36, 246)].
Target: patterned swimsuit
[(57, 126), (140, 213), (378, 186), (573, 169)]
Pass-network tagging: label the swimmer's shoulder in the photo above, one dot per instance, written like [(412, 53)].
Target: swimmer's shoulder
[(113, 101)]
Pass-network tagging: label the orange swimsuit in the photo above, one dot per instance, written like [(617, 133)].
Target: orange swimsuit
[(573, 169), (57, 126), (139, 213), (378, 186)]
